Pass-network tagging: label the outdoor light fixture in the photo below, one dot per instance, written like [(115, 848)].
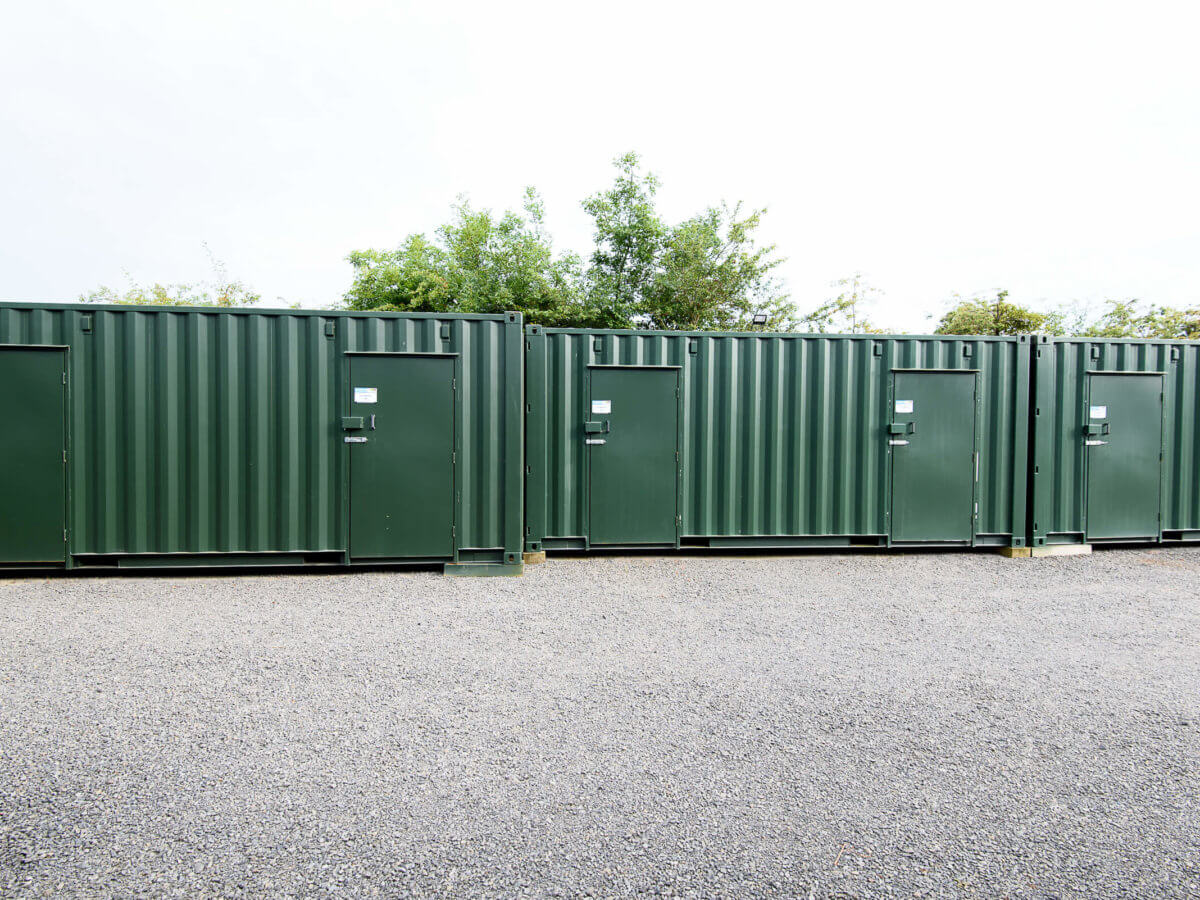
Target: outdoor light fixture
[(759, 319)]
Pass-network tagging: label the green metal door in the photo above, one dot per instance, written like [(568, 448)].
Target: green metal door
[(32, 455), (632, 432), (933, 456), (1123, 436), (402, 460)]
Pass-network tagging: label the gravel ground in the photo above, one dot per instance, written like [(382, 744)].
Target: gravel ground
[(935, 725)]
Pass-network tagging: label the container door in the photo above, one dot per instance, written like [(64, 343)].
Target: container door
[(402, 461), (32, 456), (933, 456), (1123, 437), (632, 433)]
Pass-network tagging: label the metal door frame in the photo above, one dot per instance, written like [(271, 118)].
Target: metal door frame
[(67, 449), (587, 412), (890, 412), (344, 449), (1086, 396)]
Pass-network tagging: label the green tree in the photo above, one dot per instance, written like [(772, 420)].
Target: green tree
[(711, 275), (477, 263), (412, 278), (845, 313), (1175, 324), (630, 238), (707, 272), (222, 291), (1128, 319), (978, 315)]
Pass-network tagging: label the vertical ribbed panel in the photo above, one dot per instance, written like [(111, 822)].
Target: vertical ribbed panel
[(196, 431), (782, 435), (1061, 368)]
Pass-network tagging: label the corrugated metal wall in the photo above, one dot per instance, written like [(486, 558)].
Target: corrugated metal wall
[(783, 435), (218, 431), (1060, 384)]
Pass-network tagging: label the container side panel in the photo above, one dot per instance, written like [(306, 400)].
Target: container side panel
[(214, 432), (782, 436), (1062, 413)]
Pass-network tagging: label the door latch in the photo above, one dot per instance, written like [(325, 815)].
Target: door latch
[(896, 443)]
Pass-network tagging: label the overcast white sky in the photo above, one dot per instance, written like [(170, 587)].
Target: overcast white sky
[(1050, 148)]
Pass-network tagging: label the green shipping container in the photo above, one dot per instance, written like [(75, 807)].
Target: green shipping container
[(156, 437), (1116, 441), (672, 439)]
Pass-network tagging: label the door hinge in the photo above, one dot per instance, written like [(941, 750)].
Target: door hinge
[(679, 520), (64, 377), (454, 384), (64, 534), (453, 457), (64, 456)]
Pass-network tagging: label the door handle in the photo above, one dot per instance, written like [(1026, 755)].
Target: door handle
[(1095, 443), (896, 443), (372, 421)]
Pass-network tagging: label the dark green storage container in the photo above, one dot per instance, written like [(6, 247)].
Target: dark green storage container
[(151, 437), (670, 439), (1116, 441)]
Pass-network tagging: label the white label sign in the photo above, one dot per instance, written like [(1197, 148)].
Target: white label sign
[(366, 395), (1099, 412), (601, 407), (904, 406)]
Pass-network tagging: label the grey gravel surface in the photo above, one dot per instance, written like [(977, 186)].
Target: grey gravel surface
[(933, 725)]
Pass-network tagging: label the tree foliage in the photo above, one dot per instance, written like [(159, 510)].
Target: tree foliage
[(477, 263), (995, 316), (711, 275), (847, 312), (229, 295), (1119, 319), (705, 272), (222, 291), (1128, 319), (630, 238)]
